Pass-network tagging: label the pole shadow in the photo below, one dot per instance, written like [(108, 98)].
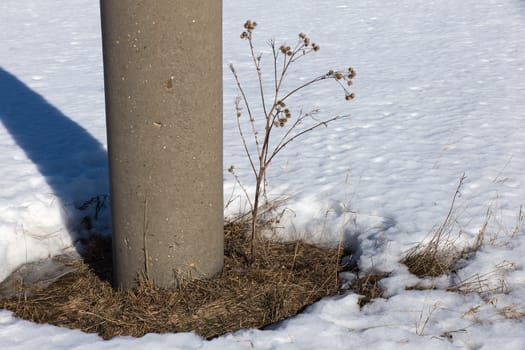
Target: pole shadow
[(72, 161)]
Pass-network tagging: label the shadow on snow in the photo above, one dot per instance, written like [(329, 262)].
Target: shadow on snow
[(72, 161)]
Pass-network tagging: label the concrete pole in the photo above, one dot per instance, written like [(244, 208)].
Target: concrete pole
[(163, 83)]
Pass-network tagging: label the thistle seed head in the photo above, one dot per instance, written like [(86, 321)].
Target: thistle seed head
[(249, 25), (306, 41), (350, 96)]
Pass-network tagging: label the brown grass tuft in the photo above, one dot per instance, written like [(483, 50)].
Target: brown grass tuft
[(440, 255), (368, 287), (493, 282), (428, 262), (285, 278), (513, 312)]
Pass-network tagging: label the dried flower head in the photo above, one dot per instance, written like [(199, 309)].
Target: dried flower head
[(351, 73), (279, 123), (281, 103), (286, 50), (249, 25), (302, 35), (244, 35), (339, 75), (316, 47), (231, 169), (306, 41), (350, 96)]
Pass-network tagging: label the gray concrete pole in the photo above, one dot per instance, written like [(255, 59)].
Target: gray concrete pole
[(163, 81)]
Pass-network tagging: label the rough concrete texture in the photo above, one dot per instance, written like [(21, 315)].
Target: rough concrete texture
[(163, 80)]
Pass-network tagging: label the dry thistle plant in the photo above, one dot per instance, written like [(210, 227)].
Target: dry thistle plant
[(276, 116)]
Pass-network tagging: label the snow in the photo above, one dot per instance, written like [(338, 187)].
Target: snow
[(439, 89)]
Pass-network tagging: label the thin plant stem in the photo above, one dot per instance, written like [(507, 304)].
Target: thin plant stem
[(243, 139), (257, 64), (323, 123), (245, 100)]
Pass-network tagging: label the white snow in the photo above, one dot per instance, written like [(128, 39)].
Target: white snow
[(439, 87)]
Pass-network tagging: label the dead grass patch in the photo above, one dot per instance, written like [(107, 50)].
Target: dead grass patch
[(440, 255), (493, 282), (513, 312), (368, 287), (286, 277)]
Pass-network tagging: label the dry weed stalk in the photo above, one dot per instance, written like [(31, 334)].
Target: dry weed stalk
[(519, 223), (503, 236), (440, 255), (487, 283), (422, 324), (275, 112)]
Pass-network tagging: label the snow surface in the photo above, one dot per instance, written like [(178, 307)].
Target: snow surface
[(439, 87)]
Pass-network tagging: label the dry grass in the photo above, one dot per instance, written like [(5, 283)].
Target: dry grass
[(440, 255), (285, 278), (513, 312), (430, 262), (493, 282), (368, 287)]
